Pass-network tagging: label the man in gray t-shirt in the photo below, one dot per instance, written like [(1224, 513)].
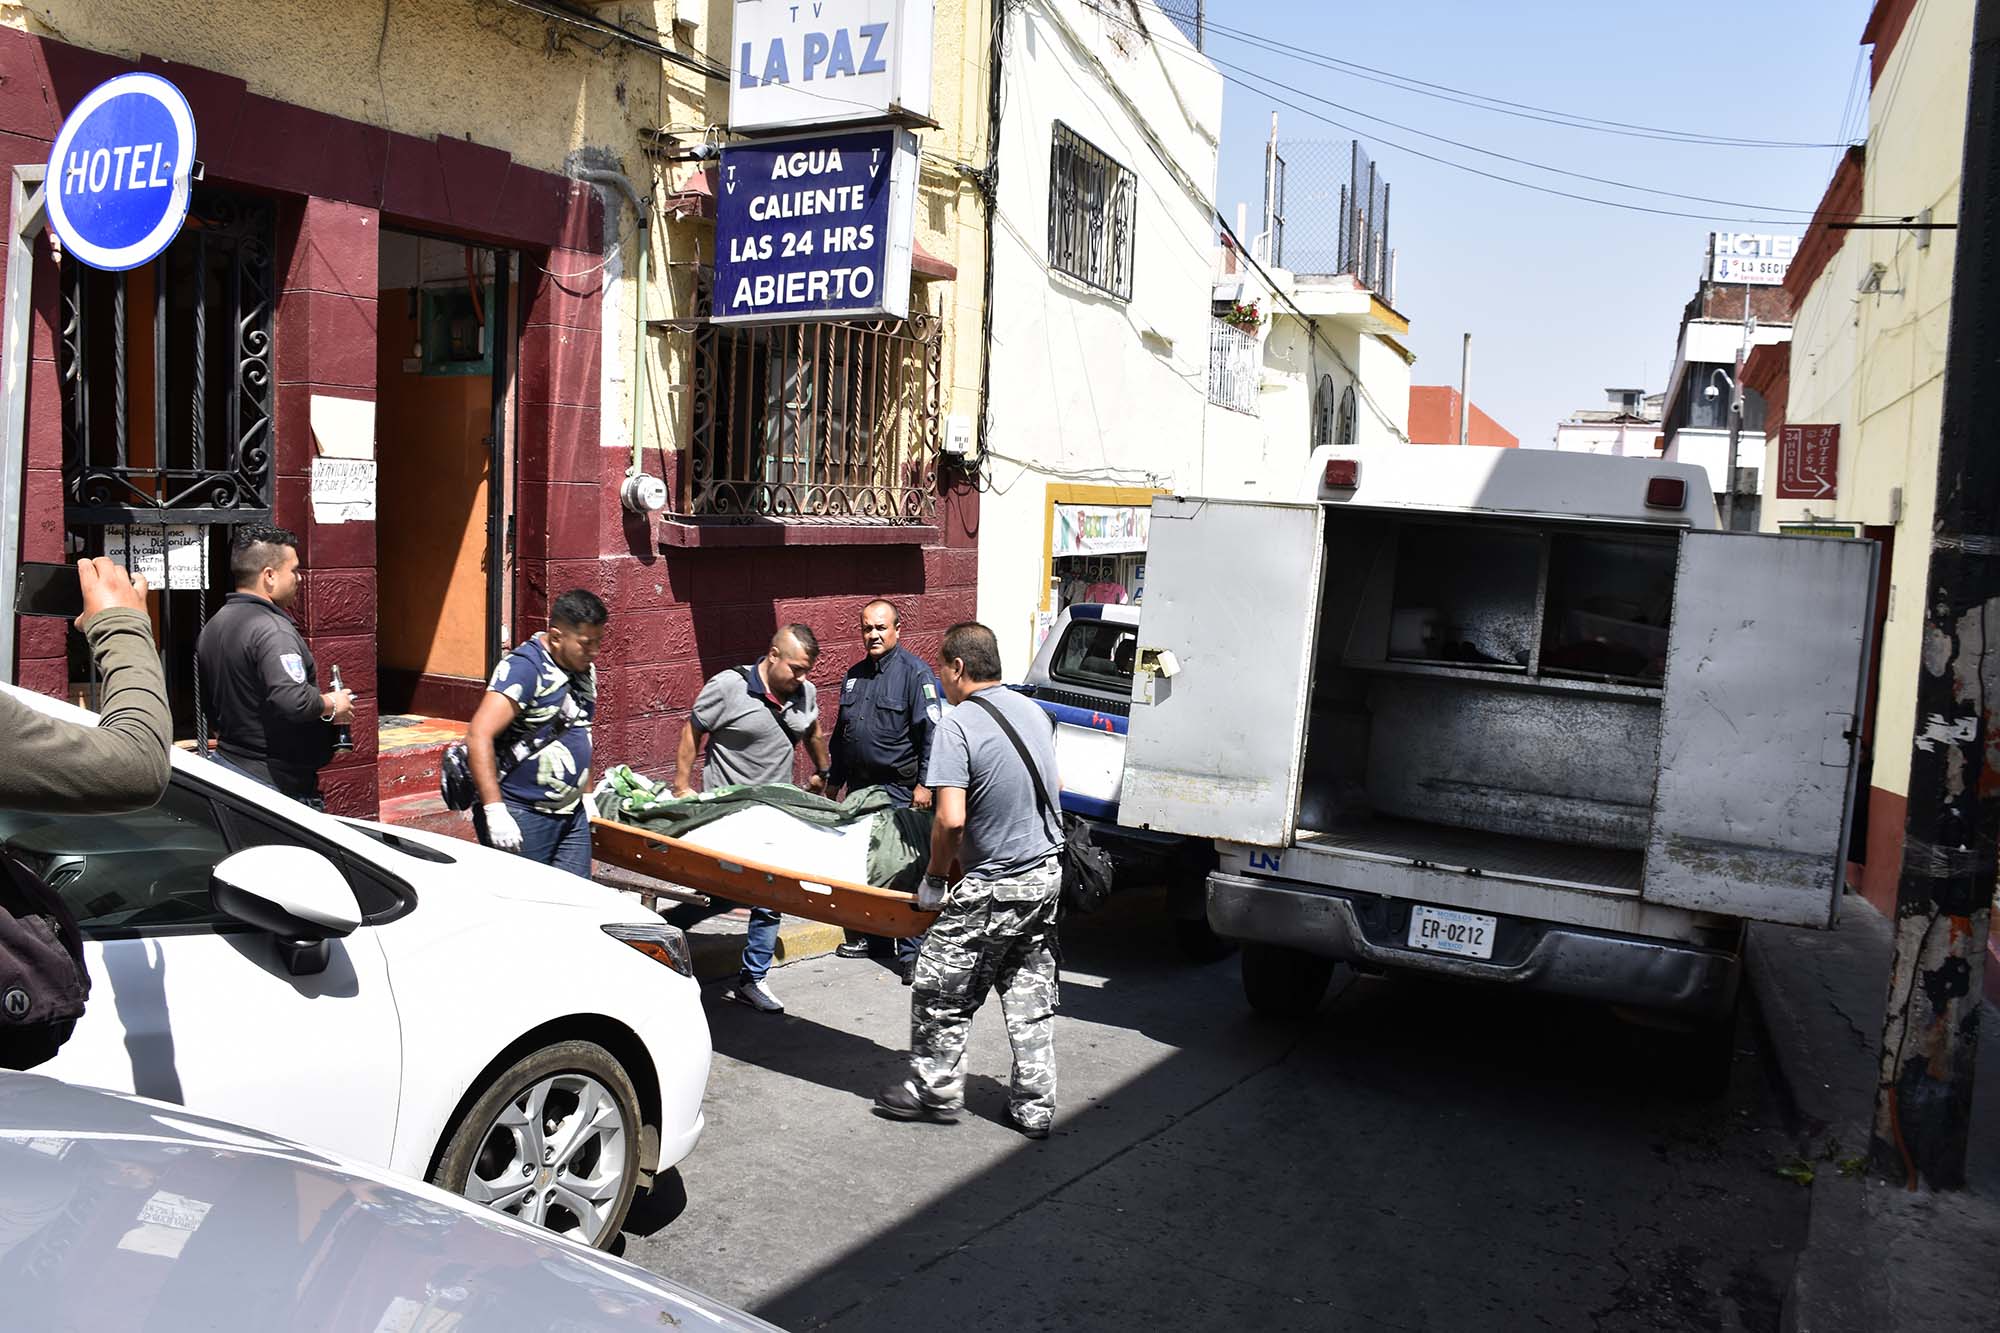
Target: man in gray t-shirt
[(996, 927), (753, 716)]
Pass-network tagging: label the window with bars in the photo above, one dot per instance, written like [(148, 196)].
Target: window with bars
[(166, 380), (1093, 204), (816, 421), (1232, 367)]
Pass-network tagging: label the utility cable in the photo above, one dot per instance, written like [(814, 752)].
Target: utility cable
[(1485, 102), (1252, 81)]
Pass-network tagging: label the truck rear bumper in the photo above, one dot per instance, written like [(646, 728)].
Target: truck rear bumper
[(1560, 959)]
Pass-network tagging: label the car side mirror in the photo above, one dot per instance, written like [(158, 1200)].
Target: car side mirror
[(293, 893)]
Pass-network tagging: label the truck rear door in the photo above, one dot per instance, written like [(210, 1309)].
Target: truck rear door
[(1760, 715), (1224, 674)]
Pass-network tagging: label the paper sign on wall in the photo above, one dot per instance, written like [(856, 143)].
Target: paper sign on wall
[(170, 557), (343, 490), (343, 427)]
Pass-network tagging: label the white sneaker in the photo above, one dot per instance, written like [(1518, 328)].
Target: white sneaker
[(755, 994)]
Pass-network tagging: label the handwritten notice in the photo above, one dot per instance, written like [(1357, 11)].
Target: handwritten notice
[(174, 557), (343, 490)]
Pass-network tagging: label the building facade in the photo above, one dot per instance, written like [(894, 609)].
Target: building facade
[(1108, 124), (1436, 411), (1867, 357), (444, 290), (1722, 325), (1628, 426)]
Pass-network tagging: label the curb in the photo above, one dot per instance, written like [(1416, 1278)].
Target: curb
[(720, 954)]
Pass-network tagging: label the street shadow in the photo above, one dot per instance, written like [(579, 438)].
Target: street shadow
[(654, 1210), (841, 1061), (1401, 1123)]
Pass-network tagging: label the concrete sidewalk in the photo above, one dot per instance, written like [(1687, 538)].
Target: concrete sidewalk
[(716, 941), (1877, 1257)]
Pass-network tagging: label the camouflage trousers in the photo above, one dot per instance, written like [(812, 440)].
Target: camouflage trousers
[(997, 934)]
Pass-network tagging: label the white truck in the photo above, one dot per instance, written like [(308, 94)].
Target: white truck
[(1508, 716)]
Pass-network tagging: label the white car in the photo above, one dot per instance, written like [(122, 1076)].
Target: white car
[(508, 1031), (118, 1213)]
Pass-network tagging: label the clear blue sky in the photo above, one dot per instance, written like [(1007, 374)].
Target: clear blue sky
[(1562, 298)]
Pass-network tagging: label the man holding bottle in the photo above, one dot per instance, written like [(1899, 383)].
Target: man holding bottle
[(271, 719)]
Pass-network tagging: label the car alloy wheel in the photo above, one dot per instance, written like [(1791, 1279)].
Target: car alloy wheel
[(553, 1141)]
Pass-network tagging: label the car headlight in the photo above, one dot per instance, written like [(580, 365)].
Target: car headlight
[(658, 941)]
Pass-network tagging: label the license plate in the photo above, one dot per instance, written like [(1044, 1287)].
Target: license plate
[(1467, 934)]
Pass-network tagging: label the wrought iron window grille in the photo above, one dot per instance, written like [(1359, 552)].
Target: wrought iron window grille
[(814, 421), (1093, 207), (1232, 367), (166, 377)]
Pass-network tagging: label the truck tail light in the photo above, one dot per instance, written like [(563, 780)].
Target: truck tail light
[(1343, 473), (1667, 493)]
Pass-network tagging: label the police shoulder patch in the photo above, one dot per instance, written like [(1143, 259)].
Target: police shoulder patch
[(294, 665)]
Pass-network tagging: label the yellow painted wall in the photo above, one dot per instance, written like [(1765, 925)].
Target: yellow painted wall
[(1874, 362), (553, 95), (951, 220)]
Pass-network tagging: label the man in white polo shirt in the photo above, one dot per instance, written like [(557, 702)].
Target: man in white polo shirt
[(753, 717)]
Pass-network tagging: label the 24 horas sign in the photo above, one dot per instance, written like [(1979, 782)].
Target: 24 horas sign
[(816, 227)]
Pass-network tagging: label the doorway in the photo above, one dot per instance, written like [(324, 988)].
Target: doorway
[(444, 426)]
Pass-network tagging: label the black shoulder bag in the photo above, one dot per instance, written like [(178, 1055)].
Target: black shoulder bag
[(43, 982), (455, 782), (1086, 867)]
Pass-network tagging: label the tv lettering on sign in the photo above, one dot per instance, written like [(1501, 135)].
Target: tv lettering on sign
[(121, 172), (824, 62), (816, 228), (1808, 463)]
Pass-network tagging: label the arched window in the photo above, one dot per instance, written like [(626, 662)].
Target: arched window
[(1343, 430), (1322, 415)]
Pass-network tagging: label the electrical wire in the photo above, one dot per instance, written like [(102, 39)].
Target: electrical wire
[(1253, 81), (1484, 102)]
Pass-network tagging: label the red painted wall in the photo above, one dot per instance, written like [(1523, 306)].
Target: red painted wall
[(1434, 420), (683, 606)]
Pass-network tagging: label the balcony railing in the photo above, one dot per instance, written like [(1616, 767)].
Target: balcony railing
[(1232, 367)]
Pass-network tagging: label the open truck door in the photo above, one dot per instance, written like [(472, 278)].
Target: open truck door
[(1759, 725), (1224, 669)]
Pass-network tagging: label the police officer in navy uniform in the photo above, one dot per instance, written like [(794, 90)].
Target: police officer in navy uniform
[(890, 706), (272, 720)]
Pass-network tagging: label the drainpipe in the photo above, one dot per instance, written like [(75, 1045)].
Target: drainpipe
[(642, 493)]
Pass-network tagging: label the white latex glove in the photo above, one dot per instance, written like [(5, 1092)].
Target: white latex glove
[(933, 893), (501, 830)]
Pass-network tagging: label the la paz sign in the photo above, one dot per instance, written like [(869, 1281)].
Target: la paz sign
[(121, 171), (824, 62)]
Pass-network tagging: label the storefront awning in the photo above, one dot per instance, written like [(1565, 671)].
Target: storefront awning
[(1100, 529)]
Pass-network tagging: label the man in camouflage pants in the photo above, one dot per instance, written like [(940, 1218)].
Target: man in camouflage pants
[(996, 928)]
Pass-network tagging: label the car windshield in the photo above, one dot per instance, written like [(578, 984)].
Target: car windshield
[(1096, 654)]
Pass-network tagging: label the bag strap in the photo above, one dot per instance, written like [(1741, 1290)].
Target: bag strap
[(551, 731), (1027, 760), (546, 735)]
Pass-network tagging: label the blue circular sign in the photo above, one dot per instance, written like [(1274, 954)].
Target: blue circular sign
[(121, 172)]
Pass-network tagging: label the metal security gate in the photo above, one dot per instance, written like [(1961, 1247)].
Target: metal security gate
[(167, 391)]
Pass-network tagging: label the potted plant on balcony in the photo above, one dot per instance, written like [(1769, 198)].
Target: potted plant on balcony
[(1244, 315)]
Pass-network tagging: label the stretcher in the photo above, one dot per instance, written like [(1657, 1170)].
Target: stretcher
[(862, 907)]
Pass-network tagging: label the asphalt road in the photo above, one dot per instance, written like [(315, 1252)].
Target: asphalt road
[(1418, 1156)]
